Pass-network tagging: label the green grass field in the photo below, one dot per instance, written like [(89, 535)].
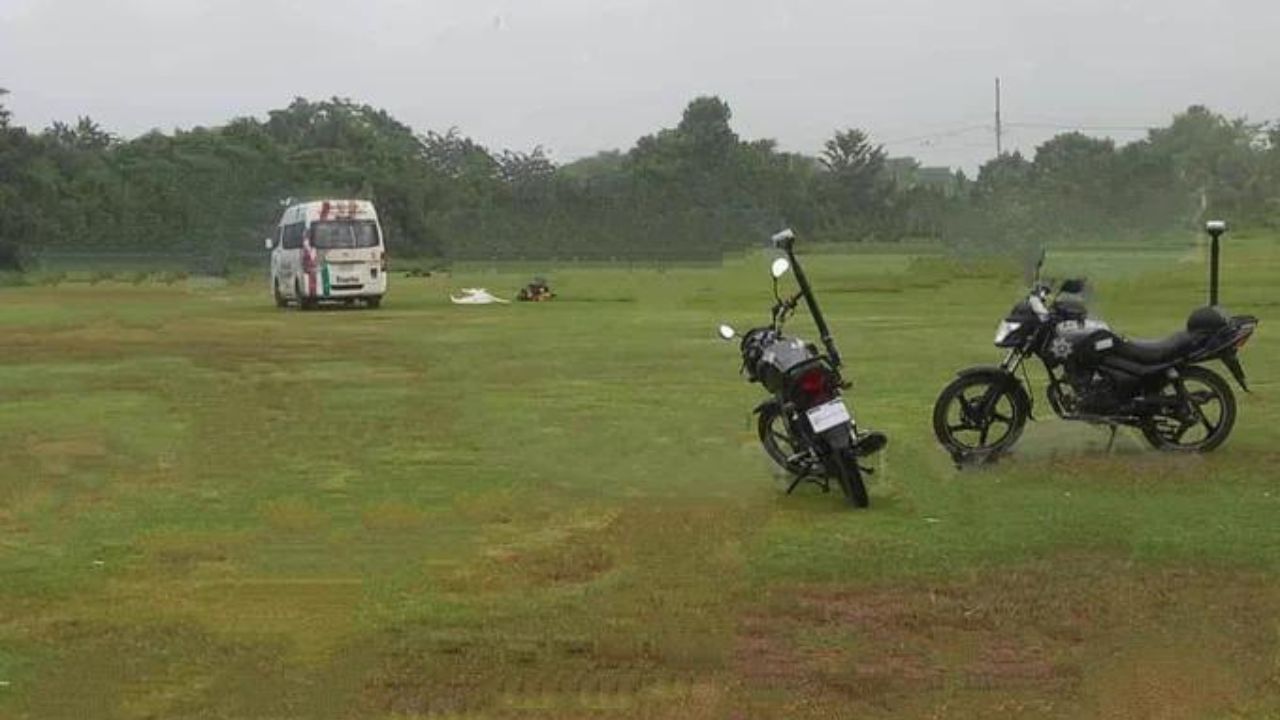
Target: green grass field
[(210, 508)]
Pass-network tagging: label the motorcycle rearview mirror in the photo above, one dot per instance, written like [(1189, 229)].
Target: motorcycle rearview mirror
[(779, 268), (727, 332)]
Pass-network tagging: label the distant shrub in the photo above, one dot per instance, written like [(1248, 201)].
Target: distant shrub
[(13, 279), (139, 277), (216, 265), (98, 276), (173, 276), (52, 279), (10, 257)]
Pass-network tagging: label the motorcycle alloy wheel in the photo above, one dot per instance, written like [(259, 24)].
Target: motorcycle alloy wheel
[(977, 417), (1200, 426)]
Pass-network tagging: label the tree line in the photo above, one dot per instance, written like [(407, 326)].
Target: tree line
[(692, 191)]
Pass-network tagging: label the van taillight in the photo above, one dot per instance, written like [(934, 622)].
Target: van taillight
[(384, 262)]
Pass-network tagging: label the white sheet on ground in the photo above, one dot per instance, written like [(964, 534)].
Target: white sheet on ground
[(476, 296)]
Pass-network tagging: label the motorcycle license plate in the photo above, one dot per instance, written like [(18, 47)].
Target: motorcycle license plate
[(828, 415)]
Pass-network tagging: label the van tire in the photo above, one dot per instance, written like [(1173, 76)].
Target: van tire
[(374, 302), (281, 300)]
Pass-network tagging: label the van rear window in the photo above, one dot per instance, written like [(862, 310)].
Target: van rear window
[(344, 234)]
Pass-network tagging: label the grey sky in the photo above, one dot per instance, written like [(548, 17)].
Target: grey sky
[(583, 75)]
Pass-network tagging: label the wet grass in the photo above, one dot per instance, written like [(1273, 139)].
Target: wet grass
[(211, 508)]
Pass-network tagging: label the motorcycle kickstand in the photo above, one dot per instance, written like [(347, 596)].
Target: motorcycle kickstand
[(804, 475), (824, 484)]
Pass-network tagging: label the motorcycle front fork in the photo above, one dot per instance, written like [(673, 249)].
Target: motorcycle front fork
[(1012, 361)]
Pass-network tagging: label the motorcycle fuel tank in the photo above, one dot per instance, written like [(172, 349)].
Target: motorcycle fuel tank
[(1081, 341), (779, 357)]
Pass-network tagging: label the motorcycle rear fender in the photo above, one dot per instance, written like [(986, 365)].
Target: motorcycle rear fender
[(839, 437), (1002, 377), (1232, 361)]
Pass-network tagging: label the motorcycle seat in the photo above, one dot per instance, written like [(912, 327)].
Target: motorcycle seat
[(1156, 352)]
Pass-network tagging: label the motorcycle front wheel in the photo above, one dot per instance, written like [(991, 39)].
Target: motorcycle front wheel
[(1198, 422), (978, 417)]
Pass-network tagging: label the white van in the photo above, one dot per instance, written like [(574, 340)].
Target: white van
[(328, 250)]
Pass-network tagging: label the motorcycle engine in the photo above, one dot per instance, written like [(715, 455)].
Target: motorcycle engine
[(1094, 392), (1087, 389)]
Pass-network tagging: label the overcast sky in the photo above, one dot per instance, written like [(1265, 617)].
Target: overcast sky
[(577, 76)]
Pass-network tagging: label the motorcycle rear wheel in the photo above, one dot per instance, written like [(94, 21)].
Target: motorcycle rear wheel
[(1212, 419), (782, 446), (849, 475)]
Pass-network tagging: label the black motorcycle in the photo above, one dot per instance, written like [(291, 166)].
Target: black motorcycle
[(1160, 387), (805, 427)]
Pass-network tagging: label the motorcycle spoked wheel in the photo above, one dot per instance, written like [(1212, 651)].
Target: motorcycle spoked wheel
[(781, 444), (1201, 428), (976, 418)]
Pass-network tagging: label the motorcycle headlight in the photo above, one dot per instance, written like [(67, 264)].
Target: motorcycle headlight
[(1006, 329)]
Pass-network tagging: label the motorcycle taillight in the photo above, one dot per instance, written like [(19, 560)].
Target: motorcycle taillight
[(815, 385), (1243, 335), (813, 382)]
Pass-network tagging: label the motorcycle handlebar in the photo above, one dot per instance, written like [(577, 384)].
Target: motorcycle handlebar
[(783, 308)]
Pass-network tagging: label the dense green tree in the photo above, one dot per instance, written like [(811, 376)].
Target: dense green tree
[(689, 191), (850, 154), (857, 187)]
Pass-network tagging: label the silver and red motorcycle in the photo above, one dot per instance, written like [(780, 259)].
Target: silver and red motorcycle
[(805, 425), (1160, 387)]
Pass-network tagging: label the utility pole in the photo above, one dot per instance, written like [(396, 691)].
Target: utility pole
[(999, 128)]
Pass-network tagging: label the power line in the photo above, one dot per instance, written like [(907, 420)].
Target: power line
[(935, 136), (1071, 126), (1003, 132)]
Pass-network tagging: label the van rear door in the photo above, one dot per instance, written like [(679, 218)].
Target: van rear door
[(352, 249)]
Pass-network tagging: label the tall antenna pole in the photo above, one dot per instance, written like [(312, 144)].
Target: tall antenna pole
[(999, 128)]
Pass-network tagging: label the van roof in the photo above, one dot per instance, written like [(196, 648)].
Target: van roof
[(330, 209)]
